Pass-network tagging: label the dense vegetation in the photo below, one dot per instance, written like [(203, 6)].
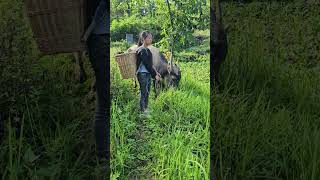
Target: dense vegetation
[(133, 16), (174, 142), (268, 113), (48, 116)]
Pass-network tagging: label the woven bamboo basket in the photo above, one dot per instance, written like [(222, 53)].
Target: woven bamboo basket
[(57, 25), (127, 64)]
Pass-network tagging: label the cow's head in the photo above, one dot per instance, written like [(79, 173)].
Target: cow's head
[(174, 75)]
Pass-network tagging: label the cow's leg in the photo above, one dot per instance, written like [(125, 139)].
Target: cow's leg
[(156, 87), (166, 82)]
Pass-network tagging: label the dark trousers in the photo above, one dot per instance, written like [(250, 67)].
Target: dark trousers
[(145, 83), (99, 51)]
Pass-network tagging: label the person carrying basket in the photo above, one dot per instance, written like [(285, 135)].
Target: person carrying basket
[(145, 69)]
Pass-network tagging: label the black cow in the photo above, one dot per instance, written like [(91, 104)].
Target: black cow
[(170, 73)]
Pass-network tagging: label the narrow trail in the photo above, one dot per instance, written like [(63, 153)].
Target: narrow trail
[(141, 150)]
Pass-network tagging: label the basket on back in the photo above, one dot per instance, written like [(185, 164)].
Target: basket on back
[(57, 25), (127, 64)]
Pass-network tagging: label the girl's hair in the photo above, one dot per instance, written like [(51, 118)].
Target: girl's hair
[(142, 36)]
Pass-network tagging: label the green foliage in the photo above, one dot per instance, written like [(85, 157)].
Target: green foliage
[(289, 30), (134, 25), (268, 111), (200, 50), (132, 8), (187, 17), (187, 56), (46, 116), (17, 51), (175, 137), (202, 33)]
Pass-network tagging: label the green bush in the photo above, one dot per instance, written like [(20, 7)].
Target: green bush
[(187, 56), (17, 51), (44, 114), (268, 108), (134, 25)]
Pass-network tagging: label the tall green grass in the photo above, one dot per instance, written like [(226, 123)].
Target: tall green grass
[(268, 113), (48, 117), (53, 137), (174, 142)]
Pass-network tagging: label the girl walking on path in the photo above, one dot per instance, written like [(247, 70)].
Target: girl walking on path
[(145, 69)]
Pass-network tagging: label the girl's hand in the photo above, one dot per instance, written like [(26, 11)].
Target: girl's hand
[(157, 77), (159, 74)]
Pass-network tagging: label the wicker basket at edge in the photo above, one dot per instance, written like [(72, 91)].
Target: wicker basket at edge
[(127, 64), (57, 25)]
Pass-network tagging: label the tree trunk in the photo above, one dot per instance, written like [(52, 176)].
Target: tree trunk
[(129, 8)]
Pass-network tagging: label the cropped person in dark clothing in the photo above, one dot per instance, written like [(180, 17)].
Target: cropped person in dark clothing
[(99, 52), (145, 69)]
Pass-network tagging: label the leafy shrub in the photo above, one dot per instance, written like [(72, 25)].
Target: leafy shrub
[(17, 50), (134, 25)]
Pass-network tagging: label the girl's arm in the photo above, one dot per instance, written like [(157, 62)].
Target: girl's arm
[(144, 59)]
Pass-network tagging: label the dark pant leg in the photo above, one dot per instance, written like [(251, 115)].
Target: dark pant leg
[(148, 81), (99, 50), (144, 82)]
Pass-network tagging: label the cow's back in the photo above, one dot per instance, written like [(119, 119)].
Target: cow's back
[(155, 55), (156, 60)]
